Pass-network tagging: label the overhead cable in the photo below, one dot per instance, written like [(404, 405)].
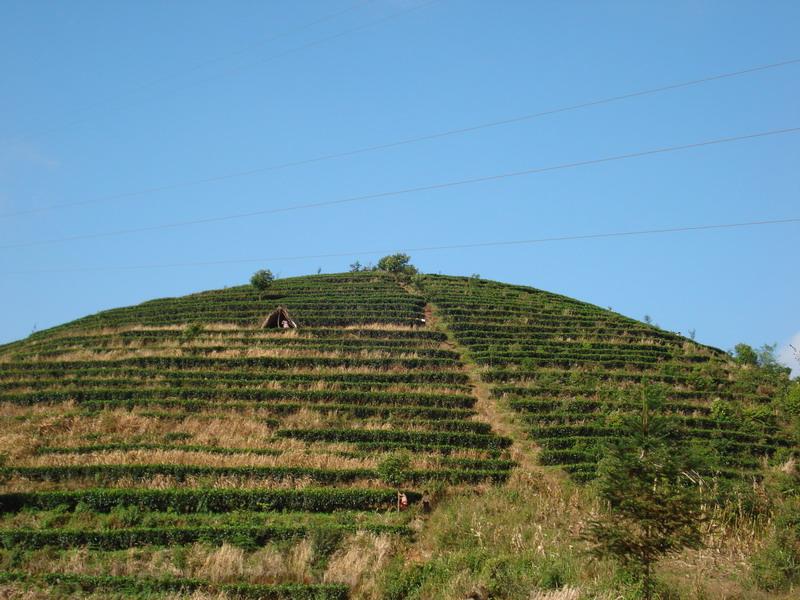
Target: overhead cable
[(404, 191), (356, 253), (397, 143)]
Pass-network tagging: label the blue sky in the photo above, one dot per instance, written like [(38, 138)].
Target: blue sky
[(102, 99)]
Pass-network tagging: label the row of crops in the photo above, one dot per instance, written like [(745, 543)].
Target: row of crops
[(569, 369), (324, 300), (175, 447)]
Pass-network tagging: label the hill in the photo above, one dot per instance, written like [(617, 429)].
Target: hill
[(175, 448)]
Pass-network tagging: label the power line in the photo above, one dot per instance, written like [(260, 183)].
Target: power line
[(404, 142), (561, 238), (273, 57), (405, 191)]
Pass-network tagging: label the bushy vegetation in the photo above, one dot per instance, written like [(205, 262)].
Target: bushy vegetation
[(652, 506), (397, 263), (262, 280)]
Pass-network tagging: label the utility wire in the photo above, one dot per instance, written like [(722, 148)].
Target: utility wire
[(407, 141), (562, 238), (273, 57), (405, 191)]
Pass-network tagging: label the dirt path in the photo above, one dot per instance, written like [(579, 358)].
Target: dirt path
[(490, 410)]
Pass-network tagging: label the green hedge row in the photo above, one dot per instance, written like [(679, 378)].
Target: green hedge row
[(583, 406), (464, 440), (606, 393), (112, 472), (166, 447), (569, 414), (208, 350), (108, 473), (479, 463), (488, 344), (279, 408), (207, 500), (215, 376), (384, 336), (261, 362), (442, 449), (249, 394), (118, 539), (591, 430)]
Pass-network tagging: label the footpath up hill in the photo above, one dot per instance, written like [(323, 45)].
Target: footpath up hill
[(174, 447)]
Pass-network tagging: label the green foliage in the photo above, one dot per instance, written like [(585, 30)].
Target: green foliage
[(393, 469), (466, 440), (745, 355), (401, 583), (397, 263), (324, 539), (554, 572), (262, 279), (191, 332), (112, 472), (652, 509), (790, 401), (777, 566), (324, 542), (185, 500)]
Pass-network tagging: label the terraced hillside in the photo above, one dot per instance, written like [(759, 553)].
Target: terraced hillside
[(569, 368), (146, 453), (174, 447)]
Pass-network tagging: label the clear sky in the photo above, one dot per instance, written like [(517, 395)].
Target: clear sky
[(103, 99)]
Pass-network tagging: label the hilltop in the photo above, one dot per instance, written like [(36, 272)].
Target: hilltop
[(175, 447)]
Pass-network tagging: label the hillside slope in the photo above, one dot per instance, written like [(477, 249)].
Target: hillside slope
[(174, 447)]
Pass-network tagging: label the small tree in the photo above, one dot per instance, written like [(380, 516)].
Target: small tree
[(394, 468), (355, 267), (745, 354), (651, 507), (261, 280), (397, 263)]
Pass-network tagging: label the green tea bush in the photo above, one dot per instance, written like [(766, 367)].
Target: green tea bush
[(393, 469)]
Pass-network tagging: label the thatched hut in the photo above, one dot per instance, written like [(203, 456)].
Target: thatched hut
[(279, 319)]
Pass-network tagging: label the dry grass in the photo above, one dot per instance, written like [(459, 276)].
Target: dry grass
[(291, 457), (358, 561), (163, 482), (219, 564)]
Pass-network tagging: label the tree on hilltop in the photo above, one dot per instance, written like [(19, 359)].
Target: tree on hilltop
[(262, 280), (397, 263)]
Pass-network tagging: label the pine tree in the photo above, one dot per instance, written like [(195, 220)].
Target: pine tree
[(652, 508)]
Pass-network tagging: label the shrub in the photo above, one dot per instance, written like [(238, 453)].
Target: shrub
[(777, 565), (745, 355), (261, 280), (400, 583), (191, 332), (394, 468), (397, 263)]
